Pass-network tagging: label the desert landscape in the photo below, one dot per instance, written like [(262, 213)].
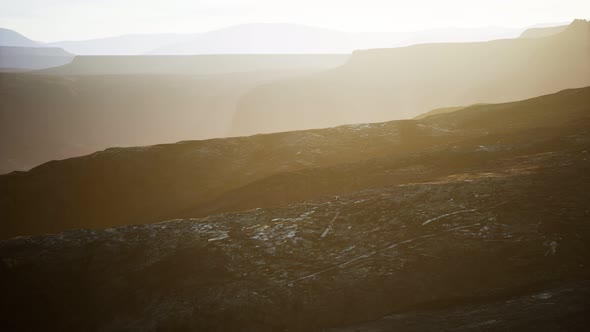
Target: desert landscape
[(288, 177)]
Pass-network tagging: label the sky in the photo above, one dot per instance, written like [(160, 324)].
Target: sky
[(55, 20)]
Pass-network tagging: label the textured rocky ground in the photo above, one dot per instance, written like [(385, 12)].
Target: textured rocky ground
[(124, 186), (481, 223), (563, 308), (464, 243)]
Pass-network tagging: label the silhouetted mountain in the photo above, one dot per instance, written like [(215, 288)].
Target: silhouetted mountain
[(32, 58), (13, 38), (134, 44), (19, 53), (456, 35), (442, 111), (196, 64), (257, 38), (469, 220), (386, 84), (542, 32)]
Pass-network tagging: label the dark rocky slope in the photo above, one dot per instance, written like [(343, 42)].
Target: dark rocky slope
[(471, 220), (150, 184), (490, 249)]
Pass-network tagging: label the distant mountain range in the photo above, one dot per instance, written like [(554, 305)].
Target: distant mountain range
[(460, 218), (240, 39), (207, 64), (12, 38), (136, 44), (396, 83), (295, 39), (257, 38), (94, 100), (14, 58), (19, 53)]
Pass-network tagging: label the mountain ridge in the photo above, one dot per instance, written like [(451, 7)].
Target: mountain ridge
[(168, 193), (500, 243), (379, 85), (204, 64), (12, 38), (318, 40), (32, 58)]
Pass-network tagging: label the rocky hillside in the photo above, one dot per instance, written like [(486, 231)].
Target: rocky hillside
[(197, 64), (122, 186), (487, 231), (386, 84)]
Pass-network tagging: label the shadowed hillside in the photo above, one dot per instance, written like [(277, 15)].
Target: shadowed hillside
[(149, 184), (295, 166), (471, 220), (47, 117), (386, 84)]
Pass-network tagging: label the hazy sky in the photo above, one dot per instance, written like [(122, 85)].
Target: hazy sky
[(52, 20)]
